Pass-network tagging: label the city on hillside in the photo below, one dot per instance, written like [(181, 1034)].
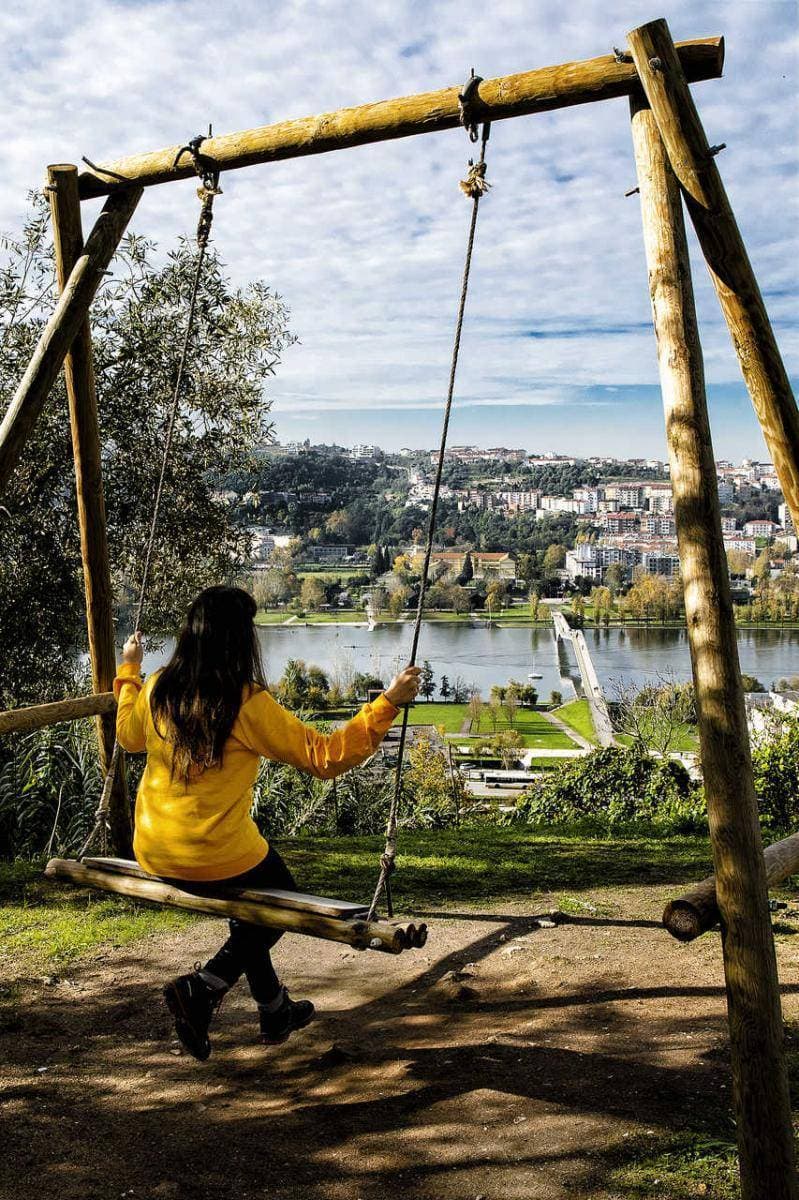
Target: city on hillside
[(327, 526)]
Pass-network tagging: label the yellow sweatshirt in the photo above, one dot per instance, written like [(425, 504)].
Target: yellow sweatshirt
[(203, 830)]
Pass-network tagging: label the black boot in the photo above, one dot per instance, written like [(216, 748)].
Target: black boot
[(193, 1003), (278, 1025)]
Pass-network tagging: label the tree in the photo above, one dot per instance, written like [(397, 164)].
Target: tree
[(751, 684), (614, 579), (312, 593), (654, 718), (444, 690), (467, 571), (238, 338), (554, 558), (761, 570), (507, 746), (438, 791), (398, 600), (427, 684), (555, 698), (475, 712), (494, 710), (510, 705)]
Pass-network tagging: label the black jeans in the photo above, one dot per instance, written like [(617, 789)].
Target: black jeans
[(246, 952)]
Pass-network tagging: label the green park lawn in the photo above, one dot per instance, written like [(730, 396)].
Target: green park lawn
[(686, 739), (451, 716), (536, 732), (577, 715)]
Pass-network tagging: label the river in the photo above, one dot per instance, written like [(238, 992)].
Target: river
[(482, 656)]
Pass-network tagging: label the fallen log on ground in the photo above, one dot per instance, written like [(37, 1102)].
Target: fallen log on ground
[(696, 912)]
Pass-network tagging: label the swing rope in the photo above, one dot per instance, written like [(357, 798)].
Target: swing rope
[(475, 187), (209, 188)]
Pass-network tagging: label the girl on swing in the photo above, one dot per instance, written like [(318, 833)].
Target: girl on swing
[(205, 721)]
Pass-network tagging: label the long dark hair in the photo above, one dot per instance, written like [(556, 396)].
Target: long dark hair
[(198, 694)]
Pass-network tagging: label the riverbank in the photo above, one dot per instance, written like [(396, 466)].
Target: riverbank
[(507, 619)]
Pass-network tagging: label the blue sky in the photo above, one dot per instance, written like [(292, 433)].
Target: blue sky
[(366, 245)]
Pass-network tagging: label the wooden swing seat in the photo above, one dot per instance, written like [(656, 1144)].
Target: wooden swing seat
[(295, 912)]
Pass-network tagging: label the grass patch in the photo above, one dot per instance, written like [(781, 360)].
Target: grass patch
[(480, 862), (688, 1165), (536, 731), (451, 716), (271, 616), (686, 738), (577, 715), (44, 925)]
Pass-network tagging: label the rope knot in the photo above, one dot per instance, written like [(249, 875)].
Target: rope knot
[(475, 184)]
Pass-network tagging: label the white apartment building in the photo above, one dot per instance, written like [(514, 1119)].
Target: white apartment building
[(658, 497), (737, 541), (660, 562), (659, 524), (520, 501), (761, 529), (786, 520)]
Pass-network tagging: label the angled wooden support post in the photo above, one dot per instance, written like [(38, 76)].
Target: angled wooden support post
[(59, 332), (81, 394), (763, 1111), (694, 164)]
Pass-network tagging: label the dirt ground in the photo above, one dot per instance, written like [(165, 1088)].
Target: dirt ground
[(505, 1061)]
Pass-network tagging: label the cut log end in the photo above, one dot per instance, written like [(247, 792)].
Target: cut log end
[(682, 921)]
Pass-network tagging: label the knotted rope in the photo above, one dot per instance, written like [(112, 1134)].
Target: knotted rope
[(475, 186)]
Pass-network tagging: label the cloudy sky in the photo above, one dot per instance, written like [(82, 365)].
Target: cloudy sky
[(366, 245)]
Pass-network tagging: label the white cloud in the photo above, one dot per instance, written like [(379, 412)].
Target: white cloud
[(366, 245)]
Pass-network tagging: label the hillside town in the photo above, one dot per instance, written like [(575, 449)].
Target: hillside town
[(546, 522)]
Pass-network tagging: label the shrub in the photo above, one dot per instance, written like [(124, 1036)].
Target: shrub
[(775, 760), (616, 786)]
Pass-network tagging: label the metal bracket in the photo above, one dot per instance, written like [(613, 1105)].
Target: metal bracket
[(466, 100)]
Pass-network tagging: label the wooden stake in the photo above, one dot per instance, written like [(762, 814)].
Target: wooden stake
[(81, 394), (669, 96), (37, 716), (697, 911), (510, 96), (764, 1131), (60, 331)]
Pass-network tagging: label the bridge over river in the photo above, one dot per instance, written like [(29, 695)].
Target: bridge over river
[(591, 685)]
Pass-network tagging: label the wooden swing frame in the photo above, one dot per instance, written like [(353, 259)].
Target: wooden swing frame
[(674, 163)]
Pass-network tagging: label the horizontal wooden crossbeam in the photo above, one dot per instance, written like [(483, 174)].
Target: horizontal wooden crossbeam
[(37, 716), (508, 96)]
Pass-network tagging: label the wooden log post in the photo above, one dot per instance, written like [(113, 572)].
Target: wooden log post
[(509, 96), (697, 911), (760, 1086), (62, 183), (694, 163), (62, 327), (38, 716)]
